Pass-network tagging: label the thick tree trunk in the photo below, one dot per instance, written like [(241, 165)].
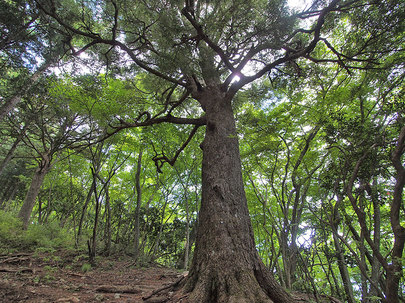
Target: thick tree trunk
[(226, 266), (394, 271), (36, 183)]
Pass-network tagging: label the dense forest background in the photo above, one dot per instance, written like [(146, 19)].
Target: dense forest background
[(321, 142)]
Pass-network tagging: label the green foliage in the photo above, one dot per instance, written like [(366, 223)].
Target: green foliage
[(37, 237), (86, 267), (302, 129), (10, 231), (48, 235)]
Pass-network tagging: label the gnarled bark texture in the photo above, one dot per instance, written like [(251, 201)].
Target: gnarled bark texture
[(226, 266)]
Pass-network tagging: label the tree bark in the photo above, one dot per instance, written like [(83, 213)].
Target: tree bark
[(375, 265), (138, 205), (187, 244), (394, 271), (10, 153), (92, 244), (84, 208), (107, 232), (226, 266), (36, 183), (344, 273)]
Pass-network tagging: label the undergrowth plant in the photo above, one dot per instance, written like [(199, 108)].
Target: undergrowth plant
[(47, 237)]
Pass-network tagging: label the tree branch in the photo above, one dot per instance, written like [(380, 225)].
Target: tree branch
[(160, 160), (185, 11), (360, 213), (97, 39), (291, 55)]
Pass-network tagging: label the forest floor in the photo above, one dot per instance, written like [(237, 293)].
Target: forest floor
[(65, 277)]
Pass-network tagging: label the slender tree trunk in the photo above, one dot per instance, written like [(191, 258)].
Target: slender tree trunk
[(363, 276), (92, 244), (154, 248), (226, 266), (184, 263), (375, 265), (362, 259), (86, 203), (49, 205), (285, 257), (39, 210), (9, 188), (187, 244), (107, 233), (344, 273), (10, 153), (293, 249), (138, 205), (36, 183), (118, 229), (335, 286)]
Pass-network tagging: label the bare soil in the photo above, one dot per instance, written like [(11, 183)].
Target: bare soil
[(66, 277)]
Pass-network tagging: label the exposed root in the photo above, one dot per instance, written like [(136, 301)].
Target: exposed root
[(308, 298), (222, 291), (163, 292), (226, 286), (19, 270), (14, 260), (331, 299), (118, 289)]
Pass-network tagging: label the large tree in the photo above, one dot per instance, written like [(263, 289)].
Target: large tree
[(204, 52), (53, 127)]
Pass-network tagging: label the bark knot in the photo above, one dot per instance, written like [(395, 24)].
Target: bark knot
[(211, 126), (220, 187)]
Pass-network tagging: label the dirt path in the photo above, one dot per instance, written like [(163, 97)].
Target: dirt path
[(62, 277)]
